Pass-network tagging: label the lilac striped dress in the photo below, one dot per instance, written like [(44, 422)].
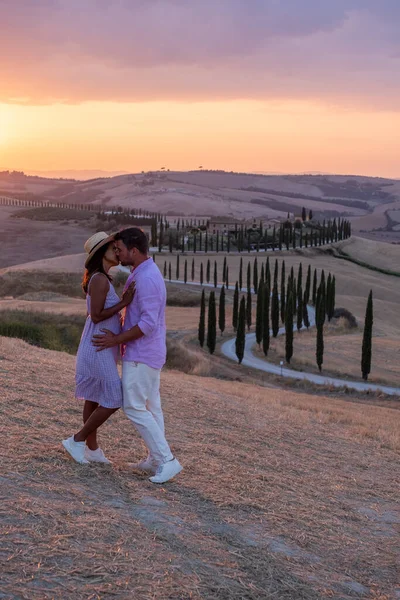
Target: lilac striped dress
[(97, 378)]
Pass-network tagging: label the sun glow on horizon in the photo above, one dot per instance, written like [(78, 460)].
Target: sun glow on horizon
[(241, 135)]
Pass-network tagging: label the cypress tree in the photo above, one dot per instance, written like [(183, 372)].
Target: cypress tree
[(206, 243), (299, 307), (215, 274), (294, 295), (300, 276), (262, 275), (248, 309), (212, 323), (235, 312), (165, 269), (283, 294), (248, 277), (289, 328), (241, 331), (221, 310), (202, 320), (275, 310), (227, 277), (306, 320), (185, 272), (201, 274), (177, 267), (161, 237), (320, 347), (322, 300), (266, 320), (308, 285), (276, 273), (169, 271), (241, 274), (320, 319), (255, 275), (328, 295), (259, 314), (224, 271), (314, 288), (208, 271), (333, 298), (192, 269), (367, 339), (268, 273)]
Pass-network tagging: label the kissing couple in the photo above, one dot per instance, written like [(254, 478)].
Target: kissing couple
[(142, 344)]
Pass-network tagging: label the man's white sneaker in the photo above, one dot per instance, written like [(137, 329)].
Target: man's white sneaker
[(148, 465), (96, 456), (76, 449), (167, 471)]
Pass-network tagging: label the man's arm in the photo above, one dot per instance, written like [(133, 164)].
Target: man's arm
[(110, 339)]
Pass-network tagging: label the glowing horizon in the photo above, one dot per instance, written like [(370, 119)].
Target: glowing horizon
[(243, 136), (133, 86)]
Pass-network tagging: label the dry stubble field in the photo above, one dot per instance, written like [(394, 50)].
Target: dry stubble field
[(283, 495)]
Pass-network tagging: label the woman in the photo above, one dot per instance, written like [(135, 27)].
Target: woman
[(97, 379)]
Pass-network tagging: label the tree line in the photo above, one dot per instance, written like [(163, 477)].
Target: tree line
[(280, 303), (191, 236)]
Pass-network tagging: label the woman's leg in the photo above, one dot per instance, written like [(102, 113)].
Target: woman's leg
[(88, 408), (96, 419)]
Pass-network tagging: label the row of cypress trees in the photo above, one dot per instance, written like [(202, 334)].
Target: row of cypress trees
[(187, 239), (270, 308), (253, 276), (267, 309)]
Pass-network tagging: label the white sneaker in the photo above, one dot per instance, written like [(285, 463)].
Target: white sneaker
[(76, 449), (167, 471), (149, 465), (96, 456)]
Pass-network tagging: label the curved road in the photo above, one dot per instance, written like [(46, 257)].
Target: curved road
[(250, 360)]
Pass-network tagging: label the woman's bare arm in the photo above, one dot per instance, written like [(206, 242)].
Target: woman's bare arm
[(98, 292)]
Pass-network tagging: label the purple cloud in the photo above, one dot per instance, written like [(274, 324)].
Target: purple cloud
[(171, 49)]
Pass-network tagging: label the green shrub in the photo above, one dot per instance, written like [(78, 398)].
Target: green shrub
[(54, 332)]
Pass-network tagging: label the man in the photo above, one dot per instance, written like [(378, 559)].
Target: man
[(143, 352)]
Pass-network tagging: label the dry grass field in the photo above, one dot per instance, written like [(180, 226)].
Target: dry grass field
[(377, 254), (26, 240), (283, 495), (221, 193)]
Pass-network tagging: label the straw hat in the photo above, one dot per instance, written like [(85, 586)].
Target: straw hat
[(96, 242)]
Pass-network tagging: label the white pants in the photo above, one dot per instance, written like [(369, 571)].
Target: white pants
[(142, 405)]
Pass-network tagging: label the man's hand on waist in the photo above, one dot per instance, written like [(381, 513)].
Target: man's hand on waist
[(110, 339)]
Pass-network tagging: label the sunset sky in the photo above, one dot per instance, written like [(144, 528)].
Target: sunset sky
[(249, 85)]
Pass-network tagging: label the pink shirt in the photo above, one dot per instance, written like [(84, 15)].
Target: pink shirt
[(147, 310)]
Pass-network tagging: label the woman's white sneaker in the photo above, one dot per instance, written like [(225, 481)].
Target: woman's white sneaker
[(96, 456), (75, 449), (167, 471)]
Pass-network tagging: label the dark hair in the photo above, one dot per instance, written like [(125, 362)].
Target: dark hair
[(95, 265), (133, 237)]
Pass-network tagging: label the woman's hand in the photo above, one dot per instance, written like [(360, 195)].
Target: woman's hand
[(128, 294)]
